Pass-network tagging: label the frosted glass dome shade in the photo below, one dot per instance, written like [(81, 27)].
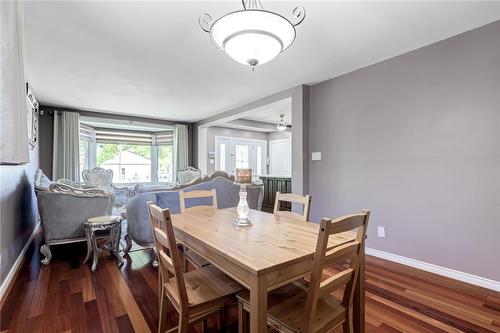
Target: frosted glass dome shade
[(252, 37)]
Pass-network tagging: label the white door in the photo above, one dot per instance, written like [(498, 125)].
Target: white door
[(232, 154), (280, 158)]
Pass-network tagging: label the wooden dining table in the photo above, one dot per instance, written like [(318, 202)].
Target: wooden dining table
[(272, 252)]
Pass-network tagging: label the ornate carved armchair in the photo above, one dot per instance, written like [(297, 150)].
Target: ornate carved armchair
[(63, 210), (103, 179), (187, 175), (100, 178), (74, 184)]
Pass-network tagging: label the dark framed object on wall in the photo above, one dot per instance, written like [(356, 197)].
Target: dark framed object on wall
[(32, 108)]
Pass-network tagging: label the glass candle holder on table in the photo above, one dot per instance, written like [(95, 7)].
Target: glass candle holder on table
[(243, 178)]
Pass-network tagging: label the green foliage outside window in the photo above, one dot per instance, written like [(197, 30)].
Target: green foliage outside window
[(109, 151)]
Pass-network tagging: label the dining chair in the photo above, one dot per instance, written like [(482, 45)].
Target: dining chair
[(195, 295), (189, 255), (305, 201), (199, 194), (311, 307)]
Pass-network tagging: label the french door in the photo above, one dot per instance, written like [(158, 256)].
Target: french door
[(232, 154)]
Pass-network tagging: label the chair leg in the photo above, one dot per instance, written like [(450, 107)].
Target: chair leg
[(45, 250), (347, 326), (220, 320), (89, 245), (223, 318), (242, 318), (183, 323), (226, 310), (128, 241), (155, 257), (162, 325)]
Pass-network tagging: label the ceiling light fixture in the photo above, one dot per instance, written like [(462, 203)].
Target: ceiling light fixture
[(252, 36), (281, 125)]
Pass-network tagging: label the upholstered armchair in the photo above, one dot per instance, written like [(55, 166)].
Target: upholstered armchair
[(63, 210), (103, 179), (100, 178), (187, 175)]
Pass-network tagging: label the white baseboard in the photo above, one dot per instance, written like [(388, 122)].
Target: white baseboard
[(17, 265), (451, 273)]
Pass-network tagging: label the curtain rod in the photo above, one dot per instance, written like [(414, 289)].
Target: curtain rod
[(50, 110)]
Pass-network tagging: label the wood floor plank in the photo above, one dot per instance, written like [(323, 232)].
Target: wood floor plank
[(143, 292), (124, 324), (436, 313), (67, 297), (104, 306), (425, 321), (447, 306), (40, 294), (93, 321), (87, 285), (134, 313)]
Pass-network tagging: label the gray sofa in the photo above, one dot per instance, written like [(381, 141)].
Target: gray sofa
[(138, 222), (63, 209)]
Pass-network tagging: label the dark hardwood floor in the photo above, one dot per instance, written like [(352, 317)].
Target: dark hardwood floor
[(66, 297)]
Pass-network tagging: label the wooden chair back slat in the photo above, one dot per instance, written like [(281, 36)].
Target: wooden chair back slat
[(348, 252), (346, 223), (170, 262), (305, 201), (339, 254), (198, 194), (335, 282), (162, 239)]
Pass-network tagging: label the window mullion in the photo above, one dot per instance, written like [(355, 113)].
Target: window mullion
[(154, 164)]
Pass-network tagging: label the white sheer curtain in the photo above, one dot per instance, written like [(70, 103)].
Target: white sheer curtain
[(181, 147), (13, 120), (66, 155)]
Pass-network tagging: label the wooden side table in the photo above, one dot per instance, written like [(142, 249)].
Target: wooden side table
[(110, 223)]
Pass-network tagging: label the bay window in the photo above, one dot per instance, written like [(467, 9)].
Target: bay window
[(134, 156)]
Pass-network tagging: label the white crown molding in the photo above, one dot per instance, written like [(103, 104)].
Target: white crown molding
[(9, 279), (451, 273)]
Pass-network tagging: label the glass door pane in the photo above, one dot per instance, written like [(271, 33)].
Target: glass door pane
[(222, 158), (242, 156)]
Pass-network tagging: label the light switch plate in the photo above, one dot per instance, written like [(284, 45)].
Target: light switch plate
[(316, 156), (381, 232)]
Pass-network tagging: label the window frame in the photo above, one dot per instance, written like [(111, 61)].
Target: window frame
[(92, 159)]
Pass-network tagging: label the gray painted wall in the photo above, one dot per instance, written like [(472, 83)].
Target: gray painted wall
[(416, 139), (300, 141), (18, 210)]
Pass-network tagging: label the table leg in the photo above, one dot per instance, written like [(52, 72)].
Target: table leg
[(359, 296), (116, 243), (89, 245), (110, 245), (94, 250), (258, 305)]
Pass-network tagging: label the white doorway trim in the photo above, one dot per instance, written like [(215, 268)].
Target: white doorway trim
[(259, 142)]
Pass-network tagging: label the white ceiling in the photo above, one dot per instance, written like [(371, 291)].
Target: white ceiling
[(152, 59), (270, 113)]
